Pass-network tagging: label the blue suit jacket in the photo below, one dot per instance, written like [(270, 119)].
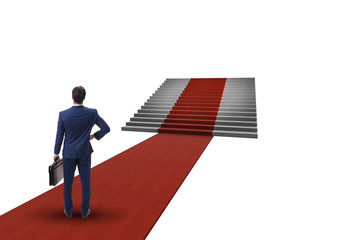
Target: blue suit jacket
[(76, 124)]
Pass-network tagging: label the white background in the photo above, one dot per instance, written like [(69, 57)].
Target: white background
[(299, 180)]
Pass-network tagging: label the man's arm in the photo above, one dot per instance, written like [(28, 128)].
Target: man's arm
[(59, 138), (104, 128)]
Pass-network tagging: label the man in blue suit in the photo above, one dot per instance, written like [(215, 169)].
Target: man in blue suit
[(76, 124)]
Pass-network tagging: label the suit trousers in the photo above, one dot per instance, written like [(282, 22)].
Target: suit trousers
[(84, 166)]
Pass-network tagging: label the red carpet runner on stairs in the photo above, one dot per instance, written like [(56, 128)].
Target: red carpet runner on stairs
[(129, 193), (196, 109)]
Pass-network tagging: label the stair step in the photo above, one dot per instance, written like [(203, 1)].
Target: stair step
[(192, 116), (200, 97), (169, 95), (197, 104), (235, 113), (157, 107), (194, 126), (232, 109), (236, 118), (229, 105), (234, 134), (245, 93), (235, 123), (216, 113), (217, 122), (163, 98), (196, 121), (185, 131), (175, 129), (188, 126), (144, 124), (158, 104), (166, 94), (240, 101), (212, 99), (193, 112), (235, 128), (147, 119), (201, 103), (188, 116), (229, 109), (189, 121), (154, 111), (150, 115), (177, 90), (139, 129)]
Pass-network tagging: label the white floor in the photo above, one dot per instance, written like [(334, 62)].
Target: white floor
[(299, 180)]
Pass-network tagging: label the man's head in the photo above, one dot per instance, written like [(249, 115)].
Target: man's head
[(78, 94)]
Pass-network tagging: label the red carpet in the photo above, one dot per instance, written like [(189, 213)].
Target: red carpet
[(196, 109), (129, 191)]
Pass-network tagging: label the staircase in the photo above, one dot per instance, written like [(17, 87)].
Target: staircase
[(205, 106)]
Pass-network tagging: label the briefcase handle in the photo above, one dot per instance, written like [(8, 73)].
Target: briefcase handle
[(53, 164)]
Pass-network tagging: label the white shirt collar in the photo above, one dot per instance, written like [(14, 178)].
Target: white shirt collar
[(77, 105)]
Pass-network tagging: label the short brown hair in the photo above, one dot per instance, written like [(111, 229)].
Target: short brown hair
[(78, 94)]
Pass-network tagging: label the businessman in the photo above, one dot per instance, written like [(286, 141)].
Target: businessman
[(75, 124)]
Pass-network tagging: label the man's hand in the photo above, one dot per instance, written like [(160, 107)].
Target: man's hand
[(56, 158), (91, 137)]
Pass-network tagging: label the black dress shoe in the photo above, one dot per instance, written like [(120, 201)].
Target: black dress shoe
[(86, 215), (68, 215)]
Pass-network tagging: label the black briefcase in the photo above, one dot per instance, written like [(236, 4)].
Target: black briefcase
[(56, 172)]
